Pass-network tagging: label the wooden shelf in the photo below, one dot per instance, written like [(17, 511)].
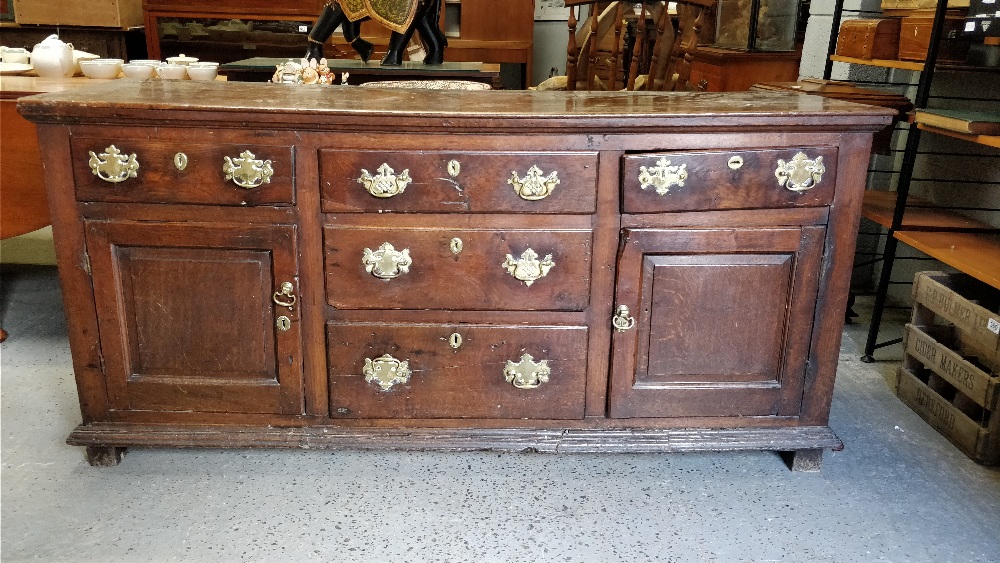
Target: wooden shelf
[(920, 215), (906, 65), (975, 254), (988, 140)]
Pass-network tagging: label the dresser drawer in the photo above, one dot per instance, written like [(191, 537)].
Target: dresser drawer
[(456, 371), (472, 182), (170, 172), (458, 268), (739, 179)]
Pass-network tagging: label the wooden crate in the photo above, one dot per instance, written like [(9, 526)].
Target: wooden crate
[(962, 300), (869, 39), (94, 13), (915, 38), (978, 435), (950, 373)]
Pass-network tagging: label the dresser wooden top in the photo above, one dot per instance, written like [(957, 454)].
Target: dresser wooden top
[(325, 107)]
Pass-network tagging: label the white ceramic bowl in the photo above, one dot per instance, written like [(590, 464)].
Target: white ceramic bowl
[(172, 72), (148, 62), (203, 71), (182, 59), (139, 71), (101, 68), (80, 56)]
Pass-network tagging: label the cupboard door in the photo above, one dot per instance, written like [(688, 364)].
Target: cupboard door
[(723, 321), (189, 319)]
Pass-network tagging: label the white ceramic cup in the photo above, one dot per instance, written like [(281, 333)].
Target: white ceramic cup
[(138, 71), (15, 55), (203, 71), (172, 72)]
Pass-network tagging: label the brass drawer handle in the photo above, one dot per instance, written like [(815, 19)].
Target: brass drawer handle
[(800, 173), (534, 186), (113, 166), (527, 373), (386, 183), (663, 176), (386, 371), (528, 268), (247, 171), (386, 263)]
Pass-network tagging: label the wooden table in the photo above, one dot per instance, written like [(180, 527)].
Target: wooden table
[(260, 69), (23, 205)]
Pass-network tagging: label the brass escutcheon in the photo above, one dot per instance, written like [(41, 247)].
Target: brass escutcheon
[(534, 186), (527, 373), (386, 371), (386, 263), (386, 183), (454, 168), (456, 245), (528, 268), (663, 176), (735, 162), (622, 320), (113, 166), (284, 323), (800, 173), (247, 171), (181, 161), (455, 340)]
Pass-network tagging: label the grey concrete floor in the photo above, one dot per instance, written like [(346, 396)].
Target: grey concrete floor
[(898, 492)]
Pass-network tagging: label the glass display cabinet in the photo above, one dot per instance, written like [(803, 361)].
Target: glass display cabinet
[(756, 25)]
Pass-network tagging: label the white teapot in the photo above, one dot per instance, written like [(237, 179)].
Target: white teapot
[(52, 58)]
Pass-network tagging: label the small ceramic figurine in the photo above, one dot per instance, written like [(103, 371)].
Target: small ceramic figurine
[(400, 16)]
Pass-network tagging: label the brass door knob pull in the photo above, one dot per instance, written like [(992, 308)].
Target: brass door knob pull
[(113, 166), (247, 171), (285, 296), (622, 320)]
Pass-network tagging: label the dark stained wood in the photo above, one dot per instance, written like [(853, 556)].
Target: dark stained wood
[(722, 321), (187, 317), (712, 184), (738, 293), (202, 181), (24, 206), (481, 186), (475, 278), (105, 456), (463, 382), (461, 439)]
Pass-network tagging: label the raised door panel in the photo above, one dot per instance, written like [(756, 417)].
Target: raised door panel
[(723, 321), (188, 318)]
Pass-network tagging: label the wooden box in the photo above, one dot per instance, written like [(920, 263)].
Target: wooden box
[(920, 4), (915, 38), (963, 301), (950, 373), (869, 39), (94, 13)]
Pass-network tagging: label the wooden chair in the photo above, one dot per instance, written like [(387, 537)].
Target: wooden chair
[(659, 55)]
